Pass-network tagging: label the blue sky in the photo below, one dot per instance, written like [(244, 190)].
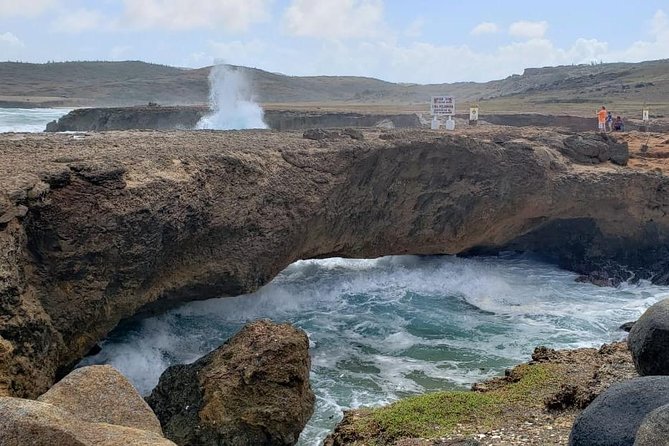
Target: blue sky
[(402, 41)]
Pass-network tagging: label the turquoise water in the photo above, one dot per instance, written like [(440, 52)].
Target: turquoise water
[(395, 326), (28, 119)]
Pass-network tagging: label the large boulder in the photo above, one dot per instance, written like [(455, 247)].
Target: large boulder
[(595, 148), (27, 422), (649, 340), (100, 394), (253, 390), (614, 417), (654, 430)]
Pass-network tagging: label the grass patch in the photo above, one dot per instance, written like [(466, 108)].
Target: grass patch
[(438, 414)]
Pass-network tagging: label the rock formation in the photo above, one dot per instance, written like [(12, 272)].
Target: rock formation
[(614, 417), (186, 117), (654, 430), (253, 390), (649, 340), (100, 394), (95, 228), (91, 406)]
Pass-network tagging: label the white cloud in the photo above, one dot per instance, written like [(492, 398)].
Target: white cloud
[(10, 39), (657, 47), (334, 19), (231, 15), (528, 30), (78, 21), (415, 28), (417, 62), (484, 28), (24, 8)]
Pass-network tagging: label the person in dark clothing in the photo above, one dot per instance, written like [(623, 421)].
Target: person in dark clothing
[(618, 125)]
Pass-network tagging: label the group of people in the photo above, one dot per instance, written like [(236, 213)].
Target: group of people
[(607, 123)]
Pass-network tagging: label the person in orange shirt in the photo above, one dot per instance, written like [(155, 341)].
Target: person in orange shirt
[(601, 117)]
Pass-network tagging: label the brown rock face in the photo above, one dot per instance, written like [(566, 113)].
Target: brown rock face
[(27, 422), (253, 390), (96, 227), (100, 394)]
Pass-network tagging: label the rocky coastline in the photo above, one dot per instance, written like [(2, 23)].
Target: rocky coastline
[(157, 117), (97, 227)]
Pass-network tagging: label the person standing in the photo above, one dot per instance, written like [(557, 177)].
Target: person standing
[(601, 118), (609, 122)]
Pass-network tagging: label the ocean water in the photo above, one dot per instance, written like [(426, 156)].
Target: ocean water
[(390, 327), (28, 119)]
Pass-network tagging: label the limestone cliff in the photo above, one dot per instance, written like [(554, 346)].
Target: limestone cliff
[(157, 117), (96, 227)]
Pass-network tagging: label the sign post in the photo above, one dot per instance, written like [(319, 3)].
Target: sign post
[(645, 118), (443, 106), (474, 115)]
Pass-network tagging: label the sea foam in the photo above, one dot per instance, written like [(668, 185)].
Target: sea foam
[(231, 102), (385, 328)]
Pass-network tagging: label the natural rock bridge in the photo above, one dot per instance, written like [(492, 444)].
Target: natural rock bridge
[(96, 227)]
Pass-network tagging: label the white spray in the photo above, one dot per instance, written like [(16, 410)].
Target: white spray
[(231, 102)]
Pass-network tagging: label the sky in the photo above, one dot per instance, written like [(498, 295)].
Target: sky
[(417, 41)]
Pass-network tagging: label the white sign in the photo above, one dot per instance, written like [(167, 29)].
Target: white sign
[(646, 115), (443, 105), (473, 113)]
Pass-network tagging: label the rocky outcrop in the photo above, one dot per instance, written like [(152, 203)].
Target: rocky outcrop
[(95, 228), (654, 430), (91, 406), (533, 403), (126, 118), (649, 340), (253, 390), (100, 394), (28, 422), (595, 149), (186, 117), (614, 417)]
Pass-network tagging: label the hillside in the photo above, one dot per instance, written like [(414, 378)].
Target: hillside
[(578, 89)]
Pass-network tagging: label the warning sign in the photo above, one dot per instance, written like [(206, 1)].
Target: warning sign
[(443, 105)]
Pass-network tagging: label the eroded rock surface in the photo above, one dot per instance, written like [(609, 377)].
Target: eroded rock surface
[(97, 227), (654, 430), (614, 417), (649, 340), (100, 394), (253, 390), (27, 422)]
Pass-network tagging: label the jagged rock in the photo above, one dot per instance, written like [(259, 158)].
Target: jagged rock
[(354, 134), (317, 134), (654, 430), (27, 422), (253, 390), (595, 148), (649, 340), (627, 326), (100, 394), (613, 418), (139, 221), (599, 278)]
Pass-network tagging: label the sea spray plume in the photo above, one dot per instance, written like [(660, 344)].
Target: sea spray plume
[(231, 102)]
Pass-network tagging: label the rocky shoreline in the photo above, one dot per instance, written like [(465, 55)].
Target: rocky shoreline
[(535, 403), (98, 227), (158, 117)]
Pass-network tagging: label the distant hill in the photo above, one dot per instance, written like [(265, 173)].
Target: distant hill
[(578, 89)]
